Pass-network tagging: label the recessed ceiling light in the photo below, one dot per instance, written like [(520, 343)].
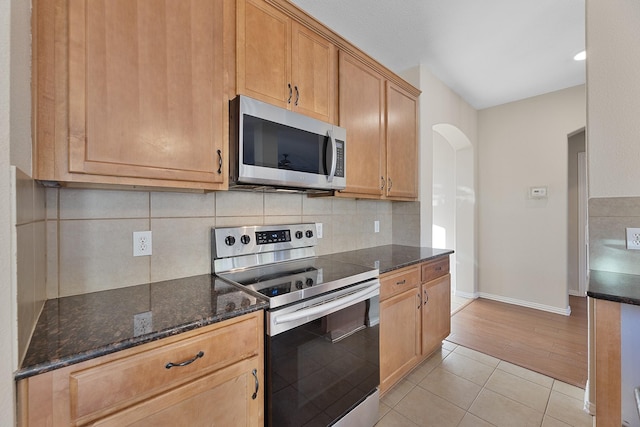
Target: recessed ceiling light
[(580, 56)]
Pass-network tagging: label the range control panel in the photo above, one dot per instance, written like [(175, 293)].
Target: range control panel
[(236, 241)]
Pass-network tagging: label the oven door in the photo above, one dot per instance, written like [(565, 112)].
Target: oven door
[(322, 360)]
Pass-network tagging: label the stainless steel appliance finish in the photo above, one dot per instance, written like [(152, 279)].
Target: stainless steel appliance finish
[(271, 146), (322, 357)]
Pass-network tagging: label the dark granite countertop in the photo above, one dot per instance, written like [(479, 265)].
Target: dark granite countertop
[(389, 257), (617, 287), (78, 328), (81, 327)]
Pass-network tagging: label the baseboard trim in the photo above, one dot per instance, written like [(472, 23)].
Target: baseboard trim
[(523, 303), (469, 295)]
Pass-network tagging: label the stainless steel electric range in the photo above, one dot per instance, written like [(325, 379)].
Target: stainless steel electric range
[(322, 337)]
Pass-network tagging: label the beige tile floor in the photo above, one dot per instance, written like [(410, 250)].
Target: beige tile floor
[(462, 387)]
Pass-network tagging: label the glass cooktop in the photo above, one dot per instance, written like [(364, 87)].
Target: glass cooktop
[(291, 281)]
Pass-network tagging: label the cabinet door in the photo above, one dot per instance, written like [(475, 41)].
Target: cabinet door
[(361, 113), (436, 313), (399, 336), (146, 89), (224, 398), (263, 53), (313, 73), (401, 143)]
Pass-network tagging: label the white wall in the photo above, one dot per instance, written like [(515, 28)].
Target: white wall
[(613, 72), (7, 299), (523, 242), (439, 105)]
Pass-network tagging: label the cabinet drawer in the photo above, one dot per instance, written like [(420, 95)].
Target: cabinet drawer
[(434, 269), (119, 383), (399, 281)]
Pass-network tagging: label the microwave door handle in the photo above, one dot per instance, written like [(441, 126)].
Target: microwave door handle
[(334, 156)]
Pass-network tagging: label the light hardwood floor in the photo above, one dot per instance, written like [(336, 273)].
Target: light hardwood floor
[(551, 344)]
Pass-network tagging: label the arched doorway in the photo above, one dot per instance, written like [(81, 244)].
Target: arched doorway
[(454, 205)]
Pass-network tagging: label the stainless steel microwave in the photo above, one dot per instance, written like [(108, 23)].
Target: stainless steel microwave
[(274, 147)]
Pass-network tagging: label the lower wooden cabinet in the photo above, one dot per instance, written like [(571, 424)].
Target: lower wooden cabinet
[(399, 336), (415, 316), (436, 313), (223, 385)]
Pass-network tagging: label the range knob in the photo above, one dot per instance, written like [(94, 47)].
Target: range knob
[(245, 239), (298, 284), (309, 233), (309, 281), (230, 240), (298, 234)]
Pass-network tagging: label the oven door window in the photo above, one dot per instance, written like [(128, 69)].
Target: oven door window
[(320, 370)]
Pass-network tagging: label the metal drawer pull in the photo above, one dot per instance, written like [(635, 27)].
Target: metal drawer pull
[(255, 375), (402, 282), (419, 300), (219, 162), (186, 362), (390, 184), (290, 93), (438, 268), (383, 183), (297, 95), (426, 297)]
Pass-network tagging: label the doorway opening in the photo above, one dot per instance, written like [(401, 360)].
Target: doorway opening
[(454, 205), (577, 214)]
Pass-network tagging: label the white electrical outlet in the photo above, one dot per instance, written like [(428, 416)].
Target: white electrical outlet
[(141, 243), (633, 238), (376, 226), (319, 230), (142, 323)]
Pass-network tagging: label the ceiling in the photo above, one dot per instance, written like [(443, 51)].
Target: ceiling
[(490, 52)]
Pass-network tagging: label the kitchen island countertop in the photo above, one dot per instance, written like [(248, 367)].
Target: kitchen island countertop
[(616, 287)]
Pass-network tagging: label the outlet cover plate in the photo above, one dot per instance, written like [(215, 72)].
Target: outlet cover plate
[(142, 323), (633, 238), (142, 243)]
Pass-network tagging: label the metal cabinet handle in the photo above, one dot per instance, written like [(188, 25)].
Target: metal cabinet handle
[(383, 182), (219, 162), (255, 375), (297, 96), (426, 297), (390, 184), (419, 300), (290, 93), (186, 362), (402, 282)]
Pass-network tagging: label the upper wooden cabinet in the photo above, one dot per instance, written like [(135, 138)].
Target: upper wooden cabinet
[(401, 143), (362, 114), (381, 119), (284, 63), (130, 92)]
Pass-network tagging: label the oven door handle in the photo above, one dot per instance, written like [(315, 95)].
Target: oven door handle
[(330, 307)]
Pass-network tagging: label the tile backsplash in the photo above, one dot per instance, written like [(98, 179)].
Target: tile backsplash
[(608, 219), (28, 218), (89, 232)]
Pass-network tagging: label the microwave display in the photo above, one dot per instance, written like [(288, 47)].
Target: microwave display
[(278, 146)]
